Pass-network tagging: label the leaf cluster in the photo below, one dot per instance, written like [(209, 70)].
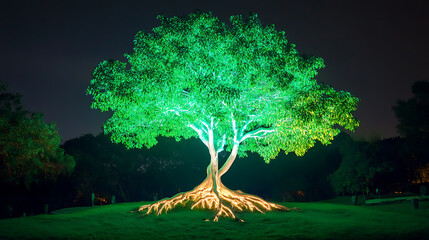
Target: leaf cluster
[(194, 68)]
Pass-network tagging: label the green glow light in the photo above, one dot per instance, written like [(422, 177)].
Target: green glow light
[(195, 76)]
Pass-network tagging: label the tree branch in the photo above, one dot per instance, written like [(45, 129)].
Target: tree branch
[(229, 161), (206, 125), (200, 134), (257, 133), (244, 127), (234, 128), (221, 144)]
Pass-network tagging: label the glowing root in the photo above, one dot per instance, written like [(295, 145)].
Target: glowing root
[(226, 202)]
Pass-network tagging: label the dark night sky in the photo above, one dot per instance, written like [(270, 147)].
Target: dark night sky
[(373, 49)]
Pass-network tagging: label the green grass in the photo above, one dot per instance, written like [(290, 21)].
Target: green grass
[(316, 220)]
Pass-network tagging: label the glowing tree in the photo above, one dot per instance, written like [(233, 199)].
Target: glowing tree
[(239, 87)]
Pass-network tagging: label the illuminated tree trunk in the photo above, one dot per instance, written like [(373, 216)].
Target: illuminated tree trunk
[(211, 193)]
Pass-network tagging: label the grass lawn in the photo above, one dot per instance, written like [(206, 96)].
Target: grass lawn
[(316, 220)]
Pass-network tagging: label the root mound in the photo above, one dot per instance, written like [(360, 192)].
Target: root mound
[(225, 202)]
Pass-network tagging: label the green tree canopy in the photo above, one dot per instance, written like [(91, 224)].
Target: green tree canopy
[(243, 82), (29, 148), (240, 87)]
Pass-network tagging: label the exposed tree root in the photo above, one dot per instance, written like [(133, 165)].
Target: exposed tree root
[(225, 203)]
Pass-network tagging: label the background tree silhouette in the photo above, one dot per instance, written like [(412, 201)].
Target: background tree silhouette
[(29, 148), (31, 159), (413, 116)]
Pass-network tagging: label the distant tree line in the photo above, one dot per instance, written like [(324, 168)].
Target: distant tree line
[(36, 170), (394, 164)]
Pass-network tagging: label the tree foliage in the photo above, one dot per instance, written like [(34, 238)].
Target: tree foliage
[(361, 162), (29, 148), (413, 114), (244, 79)]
